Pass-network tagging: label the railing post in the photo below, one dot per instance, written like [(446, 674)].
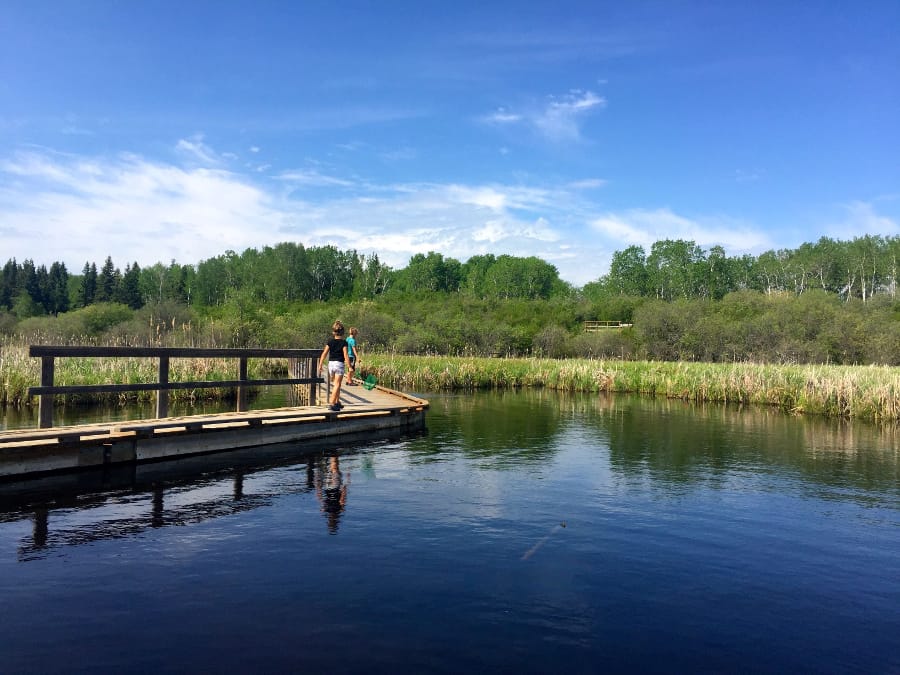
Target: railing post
[(313, 386), (45, 401), (242, 391), (162, 396)]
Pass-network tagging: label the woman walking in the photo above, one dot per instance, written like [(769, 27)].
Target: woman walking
[(335, 351)]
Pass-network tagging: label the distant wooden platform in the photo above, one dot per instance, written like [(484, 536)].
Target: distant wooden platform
[(35, 451), (595, 326)]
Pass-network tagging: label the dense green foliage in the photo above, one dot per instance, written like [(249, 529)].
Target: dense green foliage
[(679, 269), (829, 302)]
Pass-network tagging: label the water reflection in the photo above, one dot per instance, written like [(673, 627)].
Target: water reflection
[(91, 506), (680, 442), (128, 514), (331, 489), (670, 442), (663, 444), (501, 429), (635, 535)]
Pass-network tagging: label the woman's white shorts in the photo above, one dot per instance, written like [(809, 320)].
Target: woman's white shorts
[(335, 367)]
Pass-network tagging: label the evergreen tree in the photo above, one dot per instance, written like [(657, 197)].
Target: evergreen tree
[(129, 291), (87, 287), (56, 299), (9, 284), (31, 283), (107, 282)]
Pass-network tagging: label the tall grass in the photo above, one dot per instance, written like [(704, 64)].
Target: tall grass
[(863, 392), (18, 372)]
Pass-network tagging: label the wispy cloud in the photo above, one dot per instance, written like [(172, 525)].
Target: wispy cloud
[(558, 119), (561, 118), (149, 211), (588, 184), (72, 210), (643, 227), (502, 116), (197, 150), (75, 209), (312, 178), (860, 218)]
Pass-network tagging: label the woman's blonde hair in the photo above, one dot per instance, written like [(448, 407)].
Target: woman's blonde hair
[(353, 331), (337, 328)]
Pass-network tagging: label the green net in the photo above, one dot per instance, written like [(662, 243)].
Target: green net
[(370, 382)]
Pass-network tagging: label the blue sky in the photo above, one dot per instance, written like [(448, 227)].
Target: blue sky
[(153, 131)]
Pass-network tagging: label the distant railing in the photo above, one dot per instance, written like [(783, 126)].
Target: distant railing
[(302, 366), (594, 326)]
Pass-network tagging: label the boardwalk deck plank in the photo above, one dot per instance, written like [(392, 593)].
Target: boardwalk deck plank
[(24, 451)]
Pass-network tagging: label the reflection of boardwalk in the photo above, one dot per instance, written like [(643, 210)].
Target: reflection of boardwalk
[(77, 508), (38, 450)]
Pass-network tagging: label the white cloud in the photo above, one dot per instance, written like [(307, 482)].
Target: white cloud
[(588, 184), (643, 227), (56, 207), (311, 177), (558, 119), (561, 118), (859, 219), (71, 210), (196, 149), (501, 116)]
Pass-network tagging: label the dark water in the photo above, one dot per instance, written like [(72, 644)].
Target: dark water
[(525, 532)]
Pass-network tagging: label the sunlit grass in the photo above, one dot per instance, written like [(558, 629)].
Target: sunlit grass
[(864, 392), (18, 372)]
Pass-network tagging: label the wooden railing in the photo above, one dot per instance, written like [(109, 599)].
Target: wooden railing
[(302, 367), (593, 326)]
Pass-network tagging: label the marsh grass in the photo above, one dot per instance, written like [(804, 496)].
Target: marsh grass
[(18, 372), (863, 392)]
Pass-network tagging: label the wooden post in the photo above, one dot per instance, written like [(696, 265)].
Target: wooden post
[(313, 386), (162, 396), (242, 391), (45, 401)]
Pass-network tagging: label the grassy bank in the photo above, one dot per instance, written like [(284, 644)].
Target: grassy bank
[(862, 392)]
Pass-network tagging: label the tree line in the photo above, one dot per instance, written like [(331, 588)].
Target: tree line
[(859, 268), (825, 302), (281, 275)]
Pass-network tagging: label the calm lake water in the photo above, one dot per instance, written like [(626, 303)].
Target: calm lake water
[(524, 532)]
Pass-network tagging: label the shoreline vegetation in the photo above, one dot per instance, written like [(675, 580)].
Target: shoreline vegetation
[(859, 392)]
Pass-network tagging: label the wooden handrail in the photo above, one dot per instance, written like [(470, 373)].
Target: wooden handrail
[(48, 354)]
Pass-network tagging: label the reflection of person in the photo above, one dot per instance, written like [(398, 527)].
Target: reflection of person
[(331, 489), (335, 351), (352, 351)]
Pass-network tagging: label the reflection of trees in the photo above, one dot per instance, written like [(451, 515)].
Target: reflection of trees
[(676, 441), (504, 428)]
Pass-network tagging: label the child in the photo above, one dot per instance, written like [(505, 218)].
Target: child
[(335, 351), (353, 353)]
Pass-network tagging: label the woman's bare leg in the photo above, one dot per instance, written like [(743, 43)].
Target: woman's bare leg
[(336, 388)]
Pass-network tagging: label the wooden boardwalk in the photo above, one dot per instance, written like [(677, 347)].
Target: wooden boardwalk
[(31, 451)]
